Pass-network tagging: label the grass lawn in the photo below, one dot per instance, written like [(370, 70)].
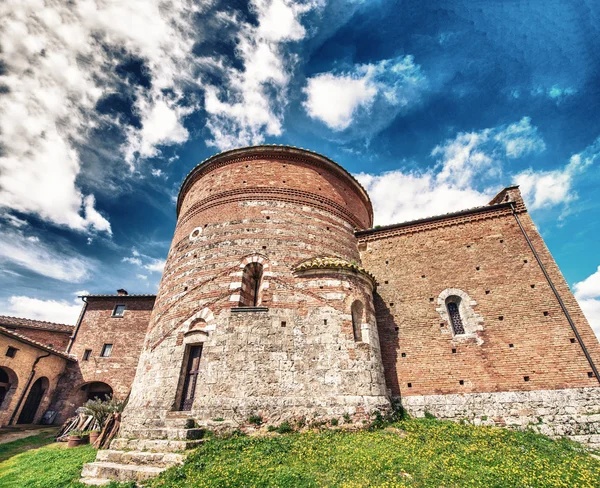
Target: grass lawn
[(37, 461), (416, 453)]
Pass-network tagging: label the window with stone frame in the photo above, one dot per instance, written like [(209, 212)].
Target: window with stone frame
[(453, 306), (357, 314), (250, 294), (119, 310)]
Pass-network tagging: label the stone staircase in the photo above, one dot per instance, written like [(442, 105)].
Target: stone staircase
[(142, 458)]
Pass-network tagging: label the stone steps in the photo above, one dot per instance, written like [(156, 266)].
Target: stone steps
[(101, 470), (138, 460), (158, 459), (168, 433), (154, 445)]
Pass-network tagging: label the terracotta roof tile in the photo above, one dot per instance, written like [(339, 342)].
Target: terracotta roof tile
[(39, 345), (6, 321)]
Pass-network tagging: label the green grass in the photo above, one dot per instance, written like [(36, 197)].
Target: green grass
[(34, 462), (416, 453)]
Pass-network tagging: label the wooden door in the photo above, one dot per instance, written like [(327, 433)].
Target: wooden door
[(191, 376), (32, 403)]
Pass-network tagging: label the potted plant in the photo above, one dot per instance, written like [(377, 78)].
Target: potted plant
[(76, 438), (94, 436)]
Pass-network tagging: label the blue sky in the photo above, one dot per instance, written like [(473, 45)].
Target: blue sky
[(434, 106)]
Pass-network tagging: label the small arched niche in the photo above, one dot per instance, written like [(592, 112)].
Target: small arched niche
[(456, 310), (250, 293), (8, 385), (357, 311)]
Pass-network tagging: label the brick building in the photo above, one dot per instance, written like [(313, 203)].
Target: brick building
[(279, 297)]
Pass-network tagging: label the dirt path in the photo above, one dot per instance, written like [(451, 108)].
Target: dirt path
[(9, 434)]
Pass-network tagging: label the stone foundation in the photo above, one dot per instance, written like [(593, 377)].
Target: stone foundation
[(574, 413)]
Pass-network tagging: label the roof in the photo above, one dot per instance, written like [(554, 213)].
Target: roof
[(485, 208), (142, 295), (332, 262), (7, 321), (272, 148), (39, 345)]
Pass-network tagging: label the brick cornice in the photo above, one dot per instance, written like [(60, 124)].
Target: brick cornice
[(279, 153), (288, 195), (421, 225)]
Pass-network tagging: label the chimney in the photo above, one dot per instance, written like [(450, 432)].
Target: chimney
[(120, 291)]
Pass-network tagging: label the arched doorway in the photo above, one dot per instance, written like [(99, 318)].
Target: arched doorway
[(34, 398), (96, 389), (8, 385)]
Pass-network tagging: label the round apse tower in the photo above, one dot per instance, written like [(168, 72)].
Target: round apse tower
[(263, 306)]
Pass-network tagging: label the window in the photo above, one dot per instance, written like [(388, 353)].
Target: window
[(452, 303), (11, 351), (86, 354), (250, 295), (106, 350), (119, 311), (357, 313)]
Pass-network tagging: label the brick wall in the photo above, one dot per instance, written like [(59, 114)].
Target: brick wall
[(98, 327), (19, 368), (56, 339), (523, 332)]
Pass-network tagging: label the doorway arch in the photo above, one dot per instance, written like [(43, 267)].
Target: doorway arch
[(8, 386), (97, 389), (34, 398)]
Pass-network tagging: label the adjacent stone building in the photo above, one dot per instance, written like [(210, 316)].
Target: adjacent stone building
[(279, 298)]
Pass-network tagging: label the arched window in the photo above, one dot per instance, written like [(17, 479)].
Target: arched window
[(453, 306), (357, 313), (250, 295)]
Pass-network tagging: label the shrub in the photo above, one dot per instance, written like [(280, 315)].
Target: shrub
[(255, 420), (285, 428), (347, 418), (429, 415), (334, 422), (100, 410)]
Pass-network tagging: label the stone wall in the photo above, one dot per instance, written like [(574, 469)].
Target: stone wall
[(98, 327), (517, 336), (573, 412), (18, 369), (298, 354)]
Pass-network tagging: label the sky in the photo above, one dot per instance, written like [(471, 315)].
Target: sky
[(106, 105)]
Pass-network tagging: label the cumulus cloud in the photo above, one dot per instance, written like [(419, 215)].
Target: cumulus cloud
[(368, 92), (467, 167), (587, 293), (543, 189), (59, 311), (146, 262), (555, 92), (249, 102), (27, 251)]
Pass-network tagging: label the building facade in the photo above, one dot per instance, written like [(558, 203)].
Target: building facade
[(279, 298)]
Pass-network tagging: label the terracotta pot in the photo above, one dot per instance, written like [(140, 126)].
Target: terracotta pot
[(94, 436), (74, 441)]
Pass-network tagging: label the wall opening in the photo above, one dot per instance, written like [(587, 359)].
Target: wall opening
[(250, 294), (357, 315), (34, 398), (97, 389), (453, 306), (8, 385), (192, 368)]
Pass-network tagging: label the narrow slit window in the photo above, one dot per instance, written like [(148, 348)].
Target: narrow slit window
[(250, 294), (106, 350), (119, 311), (357, 313), (86, 354), (455, 318)]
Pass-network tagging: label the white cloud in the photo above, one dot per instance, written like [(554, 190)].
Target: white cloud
[(59, 62), (375, 92), (136, 261), (587, 293), (250, 102), (14, 221), (155, 265), (34, 254), (61, 312), (556, 92), (398, 196), (543, 189), (467, 167), (157, 172), (142, 277)]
